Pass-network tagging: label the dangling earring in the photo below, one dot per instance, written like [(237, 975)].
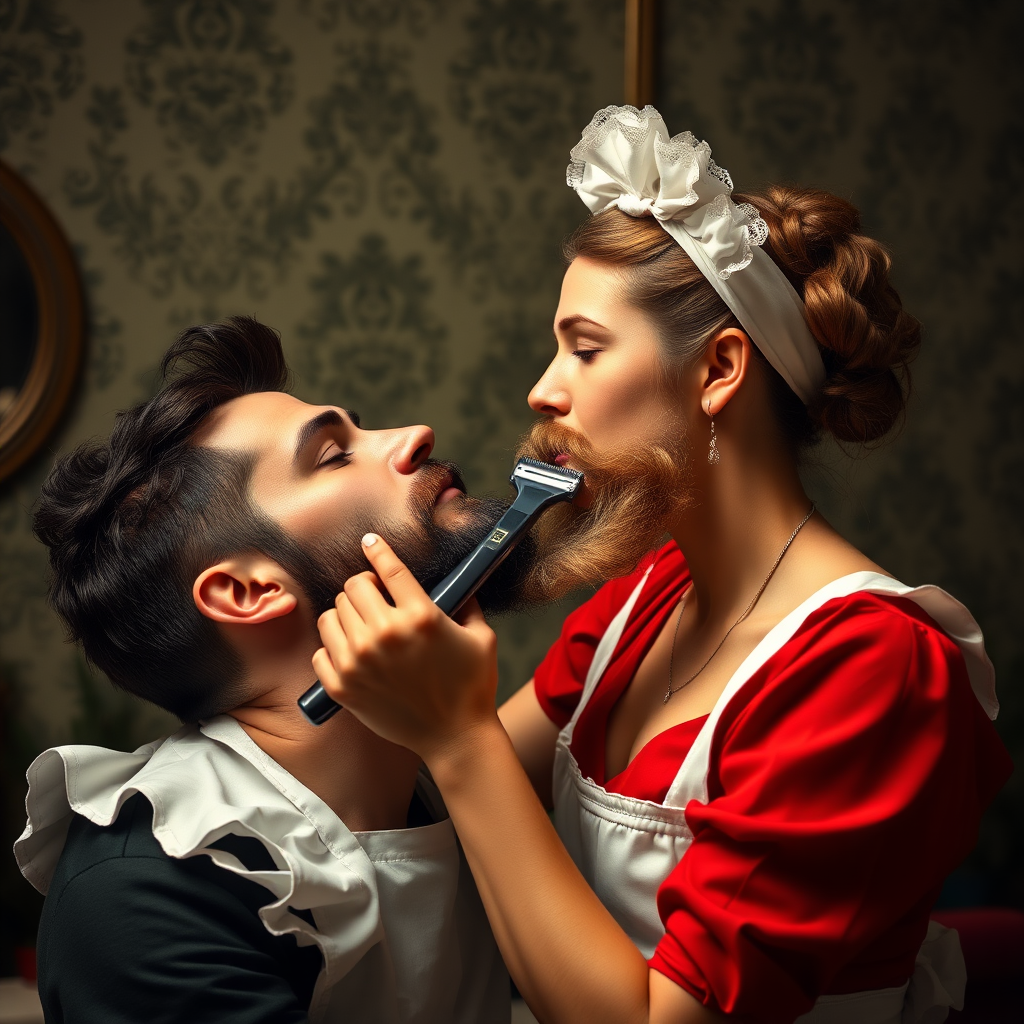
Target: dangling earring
[(714, 456)]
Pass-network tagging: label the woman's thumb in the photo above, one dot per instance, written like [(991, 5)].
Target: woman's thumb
[(471, 616)]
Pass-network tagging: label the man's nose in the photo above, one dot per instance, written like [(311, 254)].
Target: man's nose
[(549, 396), (413, 448)]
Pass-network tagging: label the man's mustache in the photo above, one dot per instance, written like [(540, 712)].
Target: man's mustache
[(431, 477)]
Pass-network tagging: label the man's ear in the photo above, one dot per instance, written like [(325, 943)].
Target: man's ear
[(724, 368), (244, 591)]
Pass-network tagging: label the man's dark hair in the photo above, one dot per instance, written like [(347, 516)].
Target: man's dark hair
[(131, 521)]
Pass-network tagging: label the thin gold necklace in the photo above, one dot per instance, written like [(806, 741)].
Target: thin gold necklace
[(750, 607)]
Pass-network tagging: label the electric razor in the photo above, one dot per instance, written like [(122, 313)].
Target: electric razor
[(538, 486)]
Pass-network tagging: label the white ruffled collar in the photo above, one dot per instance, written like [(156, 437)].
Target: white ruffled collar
[(320, 864)]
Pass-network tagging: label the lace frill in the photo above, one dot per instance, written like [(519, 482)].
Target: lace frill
[(626, 158)]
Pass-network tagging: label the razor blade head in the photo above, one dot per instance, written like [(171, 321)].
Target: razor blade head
[(558, 478)]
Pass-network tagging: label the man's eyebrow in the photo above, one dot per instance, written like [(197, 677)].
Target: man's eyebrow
[(578, 318), (309, 429)]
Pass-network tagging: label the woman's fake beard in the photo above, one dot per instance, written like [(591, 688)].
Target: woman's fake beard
[(637, 491)]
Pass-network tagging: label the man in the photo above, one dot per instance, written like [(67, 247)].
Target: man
[(251, 867)]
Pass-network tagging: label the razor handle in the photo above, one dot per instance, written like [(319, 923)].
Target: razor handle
[(535, 494)]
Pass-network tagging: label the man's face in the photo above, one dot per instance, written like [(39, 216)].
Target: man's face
[(326, 482)]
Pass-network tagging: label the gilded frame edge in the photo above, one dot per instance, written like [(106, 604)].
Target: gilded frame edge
[(640, 63), (47, 390)]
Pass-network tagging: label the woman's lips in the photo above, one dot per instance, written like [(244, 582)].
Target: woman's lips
[(584, 496)]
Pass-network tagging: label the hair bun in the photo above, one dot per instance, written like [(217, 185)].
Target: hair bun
[(852, 309)]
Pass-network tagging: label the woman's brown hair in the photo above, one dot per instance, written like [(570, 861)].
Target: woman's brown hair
[(865, 337)]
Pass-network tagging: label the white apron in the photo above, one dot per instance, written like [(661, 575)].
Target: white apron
[(626, 847), (398, 919)]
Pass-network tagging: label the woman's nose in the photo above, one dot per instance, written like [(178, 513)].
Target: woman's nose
[(548, 396), (414, 447)]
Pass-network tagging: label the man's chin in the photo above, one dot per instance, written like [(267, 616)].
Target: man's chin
[(444, 534), (455, 511)]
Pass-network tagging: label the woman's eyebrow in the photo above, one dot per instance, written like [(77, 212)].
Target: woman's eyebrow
[(312, 427), (568, 322)]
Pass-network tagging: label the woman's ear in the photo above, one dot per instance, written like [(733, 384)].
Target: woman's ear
[(724, 368), (244, 591)]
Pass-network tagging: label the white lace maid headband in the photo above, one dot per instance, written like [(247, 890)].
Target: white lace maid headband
[(627, 159)]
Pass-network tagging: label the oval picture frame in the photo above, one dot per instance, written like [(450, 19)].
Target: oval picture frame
[(61, 322)]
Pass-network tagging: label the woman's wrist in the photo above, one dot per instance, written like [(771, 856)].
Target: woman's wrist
[(460, 756)]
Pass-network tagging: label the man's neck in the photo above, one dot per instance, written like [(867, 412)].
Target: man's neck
[(368, 782)]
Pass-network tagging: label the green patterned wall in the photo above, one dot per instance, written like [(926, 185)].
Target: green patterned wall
[(383, 181)]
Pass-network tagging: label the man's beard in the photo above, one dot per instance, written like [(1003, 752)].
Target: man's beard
[(430, 548), (637, 491)]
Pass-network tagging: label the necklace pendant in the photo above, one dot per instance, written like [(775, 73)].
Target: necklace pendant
[(668, 693)]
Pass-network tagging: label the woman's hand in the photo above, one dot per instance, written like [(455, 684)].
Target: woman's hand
[(427, 683), (409, 672)]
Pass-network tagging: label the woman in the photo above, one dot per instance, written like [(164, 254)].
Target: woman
[(766, 755)]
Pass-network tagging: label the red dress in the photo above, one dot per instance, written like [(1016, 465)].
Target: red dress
[(847, 779)]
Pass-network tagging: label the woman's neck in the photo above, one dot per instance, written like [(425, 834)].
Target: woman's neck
[(747, 507)]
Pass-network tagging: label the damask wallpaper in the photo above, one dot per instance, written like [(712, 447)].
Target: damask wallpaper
[(383, 181)]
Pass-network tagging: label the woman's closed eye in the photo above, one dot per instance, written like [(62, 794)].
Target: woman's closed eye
[(585, 355)]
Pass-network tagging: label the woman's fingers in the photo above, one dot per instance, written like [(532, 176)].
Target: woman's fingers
[(403, 587), (332, 632), (328, 675), (366, 596), (343, 634), (472, 618)]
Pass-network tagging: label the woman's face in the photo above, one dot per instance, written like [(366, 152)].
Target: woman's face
[(605, 380)]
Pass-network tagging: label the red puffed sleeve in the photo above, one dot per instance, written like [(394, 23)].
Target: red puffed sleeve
[(847, 779)]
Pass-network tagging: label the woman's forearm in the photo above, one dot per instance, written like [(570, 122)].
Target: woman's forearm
[(427, 683), (533, 736), (567, 955)]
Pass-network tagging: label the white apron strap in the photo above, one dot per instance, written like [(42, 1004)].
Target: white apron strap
[(603, 654), (691, 780), (939, 980)]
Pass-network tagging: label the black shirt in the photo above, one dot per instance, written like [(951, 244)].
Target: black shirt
[(131, 935)]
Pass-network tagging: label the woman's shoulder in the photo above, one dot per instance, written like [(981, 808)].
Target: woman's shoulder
[(876, 608), (882, 616), (866, 656), (862, 668)]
